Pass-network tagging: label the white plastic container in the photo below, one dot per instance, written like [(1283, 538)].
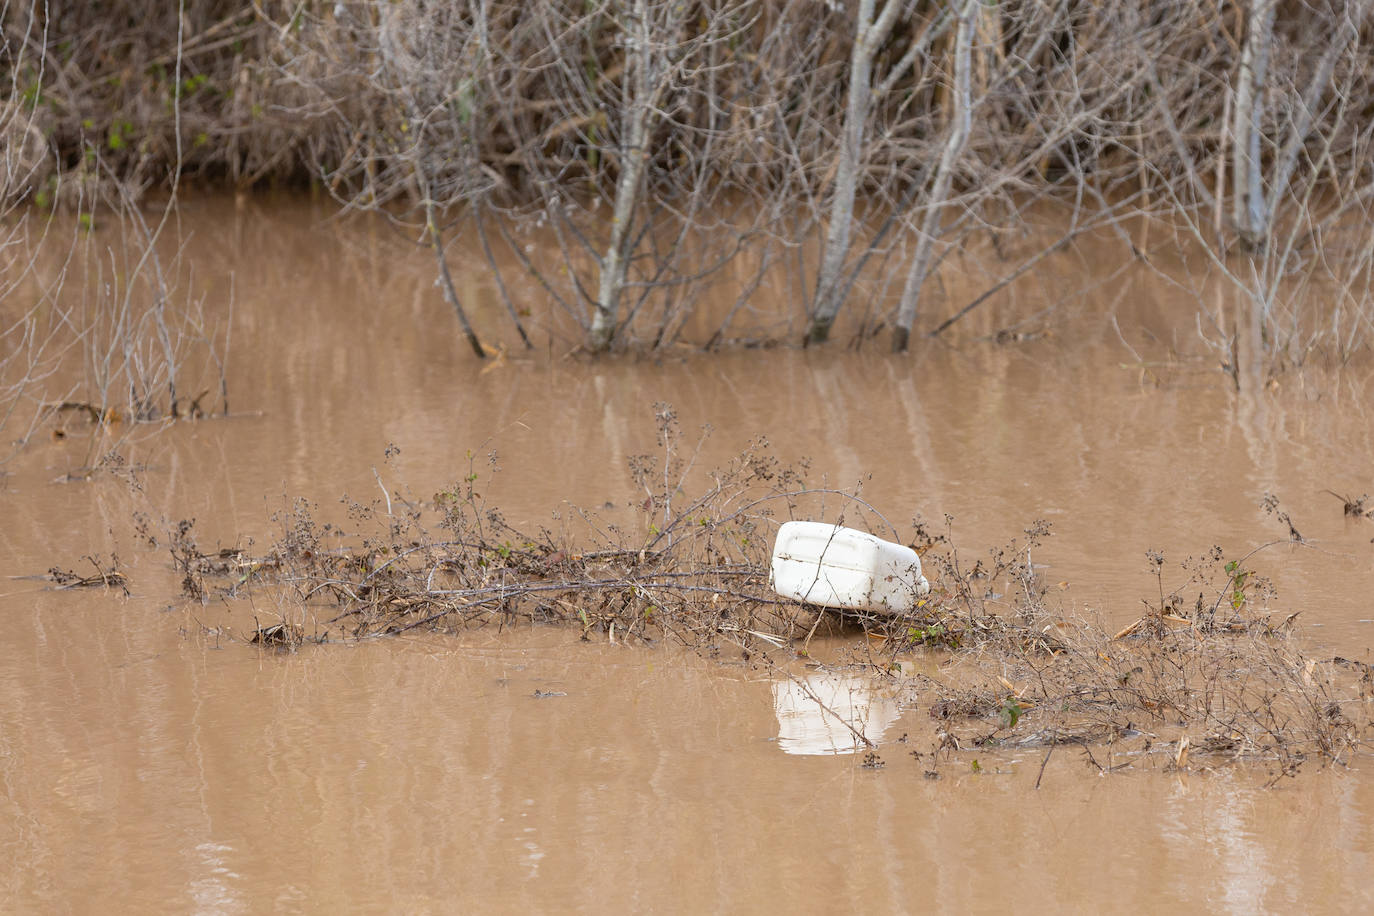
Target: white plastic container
[(825, 564)]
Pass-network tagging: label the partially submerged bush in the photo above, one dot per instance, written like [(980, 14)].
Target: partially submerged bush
[(1207, 670), (665, 153), (102, 332), (664, 566)]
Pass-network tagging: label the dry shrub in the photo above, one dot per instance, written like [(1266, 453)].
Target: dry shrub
[(152, 89), (664, 567), (534, 112), (1206, 671), (102, 337)]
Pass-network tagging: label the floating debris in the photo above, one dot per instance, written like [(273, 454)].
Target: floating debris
[(278, 636), (101, 578)]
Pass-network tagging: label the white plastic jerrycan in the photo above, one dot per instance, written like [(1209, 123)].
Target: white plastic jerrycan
[(837, 567)]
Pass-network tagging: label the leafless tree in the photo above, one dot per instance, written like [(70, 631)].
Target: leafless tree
[(636, 164)]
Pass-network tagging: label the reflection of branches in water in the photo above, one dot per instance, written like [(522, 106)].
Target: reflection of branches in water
[(114, 343), (97, 320)]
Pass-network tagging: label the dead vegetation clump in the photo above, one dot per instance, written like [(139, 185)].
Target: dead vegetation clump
[(1209, 672), (1354, 506), (106, 575), (663, 566), (1209, 669)]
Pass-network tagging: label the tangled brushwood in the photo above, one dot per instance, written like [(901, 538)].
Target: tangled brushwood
[(662, 566), (1208, 670), (665, 154)]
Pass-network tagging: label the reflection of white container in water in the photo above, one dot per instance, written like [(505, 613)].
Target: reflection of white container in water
[(815, 713), (826, 564)]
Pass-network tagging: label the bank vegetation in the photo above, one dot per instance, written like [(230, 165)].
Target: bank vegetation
[(670, 158)]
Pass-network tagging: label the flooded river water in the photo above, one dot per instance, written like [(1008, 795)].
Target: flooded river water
[(149, 764)]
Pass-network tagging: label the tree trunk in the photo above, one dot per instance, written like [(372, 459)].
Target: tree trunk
[(961, 121), (830, 286), (633, 151), (1250, 211)]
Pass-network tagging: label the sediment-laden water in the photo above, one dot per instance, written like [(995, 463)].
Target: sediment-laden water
[(153, 761)]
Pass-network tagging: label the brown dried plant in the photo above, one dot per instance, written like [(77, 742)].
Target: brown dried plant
[(1210, 665)]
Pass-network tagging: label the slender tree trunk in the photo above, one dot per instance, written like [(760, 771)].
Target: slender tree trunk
[(1250, 211), (961, 121), (451, 294), (830, 286), (633, 152)]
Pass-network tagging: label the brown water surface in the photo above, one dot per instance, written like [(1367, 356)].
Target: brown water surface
[(148, 764)]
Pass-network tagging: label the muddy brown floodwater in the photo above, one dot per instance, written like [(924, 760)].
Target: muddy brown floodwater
[(152, 761)]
